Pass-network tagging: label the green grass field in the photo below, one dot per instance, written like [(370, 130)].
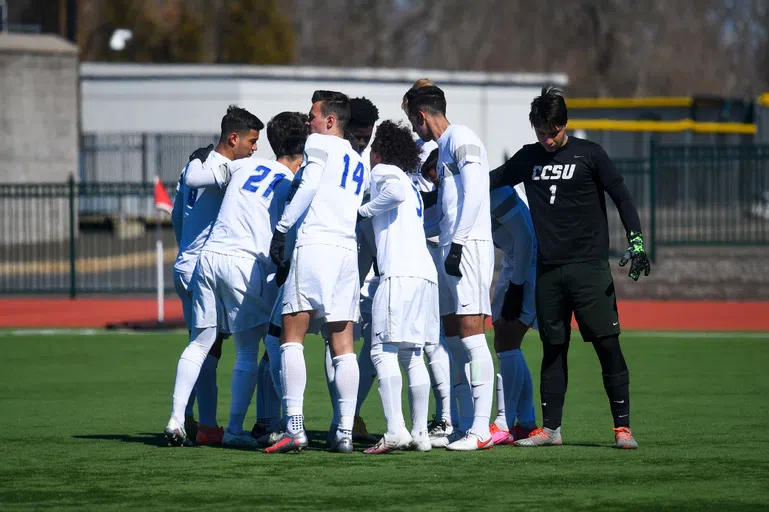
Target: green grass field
[(81, 418)]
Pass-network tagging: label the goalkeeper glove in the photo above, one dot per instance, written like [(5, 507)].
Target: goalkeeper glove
[(282, 273), (512, 305), (202, 153), (453, 260), (277, 247), (636, 254)]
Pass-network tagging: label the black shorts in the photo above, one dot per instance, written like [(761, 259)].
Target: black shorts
[(585, 289)]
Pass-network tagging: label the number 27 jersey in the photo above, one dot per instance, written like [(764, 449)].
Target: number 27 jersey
[(333, 212)]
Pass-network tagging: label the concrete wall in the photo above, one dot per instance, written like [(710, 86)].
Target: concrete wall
[(39, 126), (193, 98)]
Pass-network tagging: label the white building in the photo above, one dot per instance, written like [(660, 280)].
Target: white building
[(191, 99)]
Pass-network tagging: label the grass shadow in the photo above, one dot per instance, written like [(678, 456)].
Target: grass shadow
[(146, 438)]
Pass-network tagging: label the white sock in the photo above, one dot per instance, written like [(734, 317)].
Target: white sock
[(385, 359), (419, 387), (272, 346), (481, 380), (366, 368), (330, 376), (462, 385), (527, 416), (188, 369), (207, 391), (261, 370), (346, 379), (501, 420), (294, 379), (243, 376), (440, 374)]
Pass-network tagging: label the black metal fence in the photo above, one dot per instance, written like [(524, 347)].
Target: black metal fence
[(97, 237)]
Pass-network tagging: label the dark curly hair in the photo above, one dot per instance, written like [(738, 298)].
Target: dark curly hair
[(363, 113), (287, 132), (395, 145)]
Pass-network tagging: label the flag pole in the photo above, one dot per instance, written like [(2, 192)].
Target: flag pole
[(159, 263)]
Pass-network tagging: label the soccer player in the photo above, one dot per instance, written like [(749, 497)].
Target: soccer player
[(195, 210), (468, 252), (363, 117), (240, 131), (405, 311), (323, 278), (512, 313), (566, 179)]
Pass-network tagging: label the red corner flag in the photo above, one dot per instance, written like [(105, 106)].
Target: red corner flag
[(162, 200)]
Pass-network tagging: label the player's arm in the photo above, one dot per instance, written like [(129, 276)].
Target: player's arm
[(612, 182), (510, 173), (307, 187), (207, 174), (524, 245), (392, 192), (468, 158), (177, 212)]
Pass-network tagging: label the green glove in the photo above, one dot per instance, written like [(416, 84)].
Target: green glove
[(637, 255)]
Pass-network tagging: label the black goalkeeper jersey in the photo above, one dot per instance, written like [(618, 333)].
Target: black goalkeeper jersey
[(565, 190)]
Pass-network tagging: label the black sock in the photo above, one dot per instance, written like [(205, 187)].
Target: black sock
[(554, 377), (616, 379)]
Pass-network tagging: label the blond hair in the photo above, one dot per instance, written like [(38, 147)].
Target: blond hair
[(422, 82)]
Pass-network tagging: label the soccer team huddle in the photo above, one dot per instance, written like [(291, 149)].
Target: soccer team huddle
[(354, 232)]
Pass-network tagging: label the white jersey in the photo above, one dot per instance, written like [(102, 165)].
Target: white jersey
[(463, 169), (331, 186), (513, 232), (254, 201), (200, 208), (431, 215), (396, 208)]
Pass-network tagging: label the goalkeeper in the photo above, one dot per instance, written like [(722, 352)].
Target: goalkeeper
[(566, 180)]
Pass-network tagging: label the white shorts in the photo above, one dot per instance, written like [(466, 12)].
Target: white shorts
[(182, 282), (528, 311), (405, 310), (276, 318), (324, 279), (233, 285), (469, 294)]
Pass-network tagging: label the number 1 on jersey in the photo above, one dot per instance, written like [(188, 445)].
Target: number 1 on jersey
[(552, 194)]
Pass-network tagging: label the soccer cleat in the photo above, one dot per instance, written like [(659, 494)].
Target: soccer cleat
[(271, 438), (209, 436), (289, 443), (500, 436), (175, 433), (360, 432), (542, 437), (520, 432), (439, 434), (390, 443), (624, 439), (471, 442), (342, 444), (191, 426), (240, 439), (421, 442), (260, 428)]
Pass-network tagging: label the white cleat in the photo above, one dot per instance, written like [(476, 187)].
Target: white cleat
[(175, 433), (471, 442), (390, 443), (240, 439), (542, 437), (421, 442), (439, 434)]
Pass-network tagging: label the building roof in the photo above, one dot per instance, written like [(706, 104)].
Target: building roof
[(36, 43)]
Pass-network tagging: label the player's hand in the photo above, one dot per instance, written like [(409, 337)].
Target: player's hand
[(512, 305), (636, 254), (277, 247), (376, 268), (202, 153), (453, 260), (282, 273)]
